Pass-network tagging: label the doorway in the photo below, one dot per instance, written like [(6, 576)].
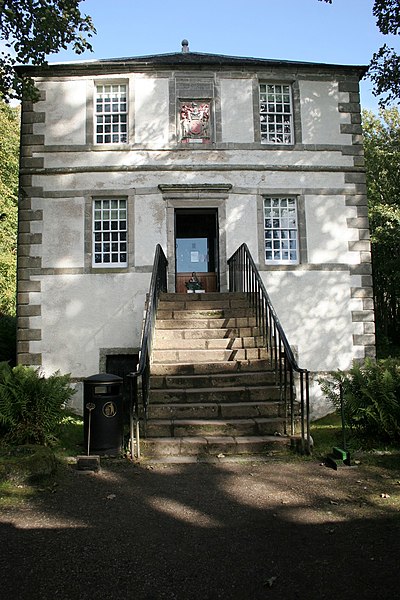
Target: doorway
[(196, 247)]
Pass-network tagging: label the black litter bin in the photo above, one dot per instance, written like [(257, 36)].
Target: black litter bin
[(102, 408)]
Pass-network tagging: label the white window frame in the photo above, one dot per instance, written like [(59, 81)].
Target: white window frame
[(111, 117), (281, 230), (276, 113), (109, 233)]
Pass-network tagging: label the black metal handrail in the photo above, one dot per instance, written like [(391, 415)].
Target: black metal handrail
[(158, 284), (245, 277)]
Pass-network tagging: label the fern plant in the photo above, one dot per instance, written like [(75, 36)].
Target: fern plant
[(371, 398), (8, 341), (31, 405)]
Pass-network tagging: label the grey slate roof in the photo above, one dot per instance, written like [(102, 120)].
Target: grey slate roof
[(182, 59)]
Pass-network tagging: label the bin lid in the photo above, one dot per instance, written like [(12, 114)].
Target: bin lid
[(104, 378)]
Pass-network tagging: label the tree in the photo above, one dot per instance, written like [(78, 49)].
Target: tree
[(9, 163), (384, 69), (382, 154), (32, 29)]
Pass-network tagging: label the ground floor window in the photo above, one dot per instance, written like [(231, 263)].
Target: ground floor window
[(110, 232), (281, 230)]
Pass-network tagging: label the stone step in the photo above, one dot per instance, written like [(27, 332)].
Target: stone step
[(206, 323), (211, 313), (212, 388), (216, 410), (251, 378), (208, 447), (190, 368), (208, 343), (194, 334), (217, 427), (207, 297), (218, 394), (202, 304), (207, 356)]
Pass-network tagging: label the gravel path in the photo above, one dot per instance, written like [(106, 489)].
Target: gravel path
[(248, 530)]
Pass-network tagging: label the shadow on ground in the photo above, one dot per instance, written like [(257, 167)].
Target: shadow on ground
[(205, 531)]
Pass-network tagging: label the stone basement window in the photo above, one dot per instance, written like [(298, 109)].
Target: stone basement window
[(111, 114), (281, 231), (276, 113), (110, 243)]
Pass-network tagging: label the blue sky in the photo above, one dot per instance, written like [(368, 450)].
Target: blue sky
[(305, 30)]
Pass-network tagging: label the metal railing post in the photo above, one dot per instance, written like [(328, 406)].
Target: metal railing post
[(246, 277), (158, 284)]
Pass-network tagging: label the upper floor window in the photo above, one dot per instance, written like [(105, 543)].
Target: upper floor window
[(111, 119), (194, 121), (110, 243), (281, 230), (276, 113)]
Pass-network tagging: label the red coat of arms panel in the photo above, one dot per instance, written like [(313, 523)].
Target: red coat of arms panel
[(194, 118)]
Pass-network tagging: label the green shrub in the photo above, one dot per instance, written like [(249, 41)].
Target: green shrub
[(8, 338), (31, 406), (371, 399)]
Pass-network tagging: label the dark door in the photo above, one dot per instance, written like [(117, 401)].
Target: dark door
[(196, 247)]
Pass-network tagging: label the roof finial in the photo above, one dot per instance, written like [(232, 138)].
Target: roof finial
[(185, 46)]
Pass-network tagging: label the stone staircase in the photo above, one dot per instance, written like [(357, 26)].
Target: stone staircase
[(212, 389)]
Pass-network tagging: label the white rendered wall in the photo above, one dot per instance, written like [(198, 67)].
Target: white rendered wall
[(136, 158), (241, 219), (151, 112), (83, 313), (63, 232), (150, 227), (314, 308), (237, 110), (320, 116), (65, 108), (242, 179), (327, 231)]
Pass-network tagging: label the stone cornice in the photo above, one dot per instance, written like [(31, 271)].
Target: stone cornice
[(191, 168)]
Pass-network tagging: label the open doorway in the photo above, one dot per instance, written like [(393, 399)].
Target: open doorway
[(196, 247)]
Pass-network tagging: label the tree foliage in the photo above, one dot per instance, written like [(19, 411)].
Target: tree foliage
[(32, 29), (384, 69), (382, 154), (9, 163)]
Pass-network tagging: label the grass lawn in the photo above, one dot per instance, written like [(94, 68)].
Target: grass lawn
[(326, 433), (32, 470), (70, 437)]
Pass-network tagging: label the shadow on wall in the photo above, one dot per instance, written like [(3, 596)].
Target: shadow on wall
[(327, 230), (321, 119), (315, 311), (65, 107)]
